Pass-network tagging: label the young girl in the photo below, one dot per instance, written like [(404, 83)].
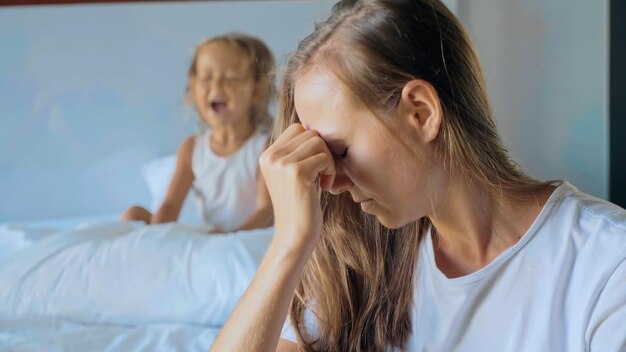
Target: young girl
[(429, 238), (230, 86)]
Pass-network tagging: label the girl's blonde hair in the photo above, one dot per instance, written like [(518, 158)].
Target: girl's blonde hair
[(261, 67), (359, 282)]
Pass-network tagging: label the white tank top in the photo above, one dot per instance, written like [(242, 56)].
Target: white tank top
[(225, 188)]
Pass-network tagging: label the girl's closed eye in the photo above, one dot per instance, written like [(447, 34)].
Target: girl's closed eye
[(205, 78), (233, 80), (233, 77)]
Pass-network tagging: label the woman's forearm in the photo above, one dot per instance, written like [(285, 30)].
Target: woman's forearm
[(256, 322), (292, 176)]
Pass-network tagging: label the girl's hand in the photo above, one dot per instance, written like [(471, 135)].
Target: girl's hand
[(217, 230), (292, 168)]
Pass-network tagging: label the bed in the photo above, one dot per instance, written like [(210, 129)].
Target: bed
[(97, 284)]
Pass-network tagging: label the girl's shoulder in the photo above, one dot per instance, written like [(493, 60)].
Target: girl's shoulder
[(186, 149)]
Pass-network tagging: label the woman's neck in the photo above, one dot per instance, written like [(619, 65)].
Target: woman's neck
[(474, 225)]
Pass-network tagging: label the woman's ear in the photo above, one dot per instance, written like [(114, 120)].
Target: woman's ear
[(419, 107)]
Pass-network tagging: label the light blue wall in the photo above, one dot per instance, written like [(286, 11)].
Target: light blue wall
[(546, 64), (88, 93)]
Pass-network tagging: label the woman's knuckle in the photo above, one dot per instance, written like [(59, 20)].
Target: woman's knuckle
[(292, 169)]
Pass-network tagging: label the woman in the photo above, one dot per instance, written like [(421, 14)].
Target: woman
[(429, 237)]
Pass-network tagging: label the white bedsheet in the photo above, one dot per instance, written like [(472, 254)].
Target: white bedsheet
[(121, 287), (39, 335)]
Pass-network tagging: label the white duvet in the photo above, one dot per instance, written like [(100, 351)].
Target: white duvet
[(171, 279), (26, 335)]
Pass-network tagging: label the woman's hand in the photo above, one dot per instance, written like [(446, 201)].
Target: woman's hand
[(292, 168)]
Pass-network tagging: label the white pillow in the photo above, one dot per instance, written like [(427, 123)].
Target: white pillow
[(158, 174), (13, 238), (20, 234), (167, 273)]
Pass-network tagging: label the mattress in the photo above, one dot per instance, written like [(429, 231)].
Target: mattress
[(101, 285)]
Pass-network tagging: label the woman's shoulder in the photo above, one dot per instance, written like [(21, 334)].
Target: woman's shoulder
[(577, 231), (590, 229), (596, 240), (593, 214)]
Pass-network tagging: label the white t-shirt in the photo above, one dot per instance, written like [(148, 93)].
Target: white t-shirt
[(561, 287)]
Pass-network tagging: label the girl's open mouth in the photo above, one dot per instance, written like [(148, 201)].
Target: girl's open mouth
[(219, 107)]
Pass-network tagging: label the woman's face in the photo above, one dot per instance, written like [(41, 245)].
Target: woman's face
[(388, 180), (223, 87)]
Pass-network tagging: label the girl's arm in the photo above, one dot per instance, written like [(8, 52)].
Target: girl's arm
[(263, 216), (179, 186)]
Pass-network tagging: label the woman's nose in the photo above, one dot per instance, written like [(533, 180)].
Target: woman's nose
[(342, 182)]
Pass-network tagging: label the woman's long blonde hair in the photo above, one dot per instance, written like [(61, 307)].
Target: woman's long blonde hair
[(359, 283), (261, 67)]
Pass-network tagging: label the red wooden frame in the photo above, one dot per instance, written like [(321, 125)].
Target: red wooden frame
[(64, 2)]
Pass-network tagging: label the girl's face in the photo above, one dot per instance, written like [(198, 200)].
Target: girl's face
[(223, 88), (393, 183)]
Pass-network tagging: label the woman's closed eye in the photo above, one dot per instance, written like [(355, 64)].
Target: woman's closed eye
[(343, 154), (338, 149)]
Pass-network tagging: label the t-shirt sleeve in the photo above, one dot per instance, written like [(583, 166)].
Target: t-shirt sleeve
[(607, 328), (288, 332), (310, 323)]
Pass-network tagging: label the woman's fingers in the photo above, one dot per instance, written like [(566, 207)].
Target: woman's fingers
[(319, 165), (285, 147), (322, 163), (296, 144), (287, 135), (291, 167)]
